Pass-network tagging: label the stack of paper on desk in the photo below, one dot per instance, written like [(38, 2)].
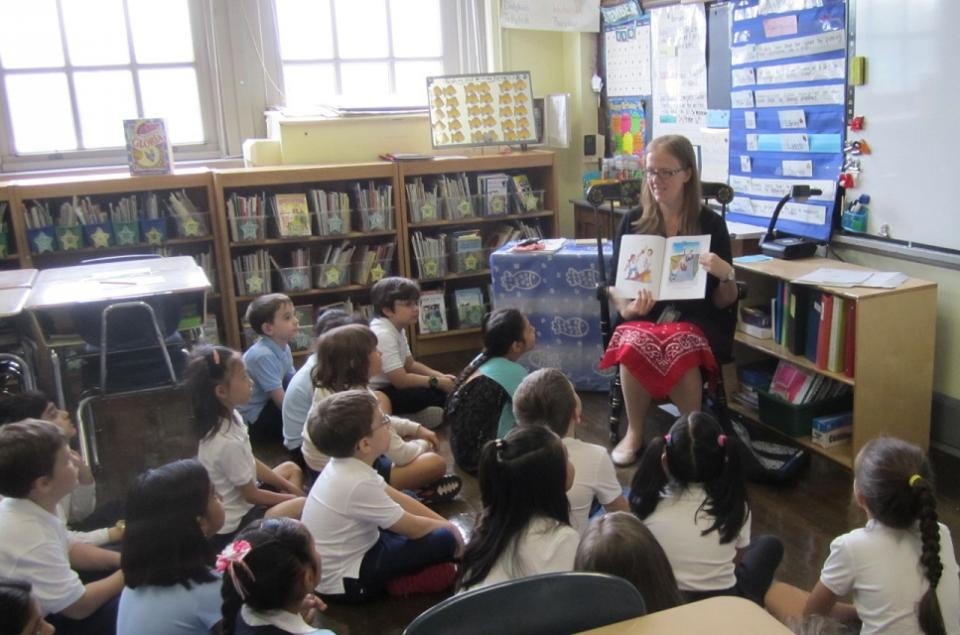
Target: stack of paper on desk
[(853, 278)]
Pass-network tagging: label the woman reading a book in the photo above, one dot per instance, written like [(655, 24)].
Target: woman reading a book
[(661, 347)]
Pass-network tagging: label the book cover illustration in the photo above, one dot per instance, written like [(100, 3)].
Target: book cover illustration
[(790, 382), (293, 214), (433, 312), (668, 268), (148, 146), (469, 304)]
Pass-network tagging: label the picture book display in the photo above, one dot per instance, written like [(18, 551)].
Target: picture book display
[(433, 312), (469, 303), (148, 146), (668, 267), (293, 215), (487, 109)]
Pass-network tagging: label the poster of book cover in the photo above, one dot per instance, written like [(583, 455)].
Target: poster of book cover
[(148, 146), (489, 109)]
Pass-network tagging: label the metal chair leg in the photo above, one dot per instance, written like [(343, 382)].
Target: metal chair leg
[(616, 407), (88, 437)]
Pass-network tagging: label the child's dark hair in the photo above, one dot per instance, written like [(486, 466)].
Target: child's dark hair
[(389, 290), (620, 544), (697, 452), (332, 318), (522, 476), (343, 357), (545, 397), (163, 544), (896, 482), (209, 367), (263, 309), (500, 329), (26, 405), (270, 574), (340, 421), (14, 604), (28, 451)]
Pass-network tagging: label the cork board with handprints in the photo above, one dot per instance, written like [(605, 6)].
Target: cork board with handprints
[(489, 109)]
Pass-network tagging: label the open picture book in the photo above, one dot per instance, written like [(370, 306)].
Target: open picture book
[(668, 267)]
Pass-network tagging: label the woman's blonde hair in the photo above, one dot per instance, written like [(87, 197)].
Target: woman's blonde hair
[(651, 221)]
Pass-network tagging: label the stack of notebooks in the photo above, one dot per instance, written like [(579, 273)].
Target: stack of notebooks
[(799, 386)]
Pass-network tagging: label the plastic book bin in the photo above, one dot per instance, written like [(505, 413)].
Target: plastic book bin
[(153, 230), (331, 275), (42, 239), (248, 228), (69, 237), (432, 268), (99, 235), (295, 279), (195, 226), (126, 232), (528, 202), (457, 207), (795, 420), (333, 223), (379, 270), (470, 261), (426, 210), (375, 219)]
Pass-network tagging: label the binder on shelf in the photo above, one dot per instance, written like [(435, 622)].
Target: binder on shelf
[(814, 311), (799, 297), (823, 335), (837, 325), (849, 346)]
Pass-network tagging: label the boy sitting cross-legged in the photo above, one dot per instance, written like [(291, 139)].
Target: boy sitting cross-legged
[(269, 363), (37, 470), (370, 536)]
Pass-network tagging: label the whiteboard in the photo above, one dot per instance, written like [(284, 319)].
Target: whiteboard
[(910, 102), (551, 15)]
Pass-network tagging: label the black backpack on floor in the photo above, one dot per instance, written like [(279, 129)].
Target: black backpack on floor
[(473, 413)]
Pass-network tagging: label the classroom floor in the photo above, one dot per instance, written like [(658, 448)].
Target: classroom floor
[(806, 514)]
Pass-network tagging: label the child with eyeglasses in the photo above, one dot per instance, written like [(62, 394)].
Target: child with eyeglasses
[(411, 386), (370, 537)]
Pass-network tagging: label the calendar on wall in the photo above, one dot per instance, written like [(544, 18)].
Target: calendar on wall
[(627, 51)]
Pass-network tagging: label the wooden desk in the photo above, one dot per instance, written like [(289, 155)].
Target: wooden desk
[(717, 616), (17, 278), (110, 281)]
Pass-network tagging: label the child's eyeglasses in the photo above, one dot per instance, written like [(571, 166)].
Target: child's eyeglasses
[(663, 173), (384, 421)]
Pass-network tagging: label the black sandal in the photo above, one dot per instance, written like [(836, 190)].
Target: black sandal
[(442, 490)]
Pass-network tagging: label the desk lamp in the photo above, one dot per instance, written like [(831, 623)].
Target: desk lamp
[(789, 247)]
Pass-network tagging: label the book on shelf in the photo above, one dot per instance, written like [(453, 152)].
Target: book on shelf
[(433, 312), (372, 262), (823, 333), (849, 345), (790, 382), (667, 267), (814, 312), (838, 323), (467, 249), (148, 146), (494, 190), (525, 200), (469, 303), (292, 214), (760, 332), (332, 210), (210, 331)]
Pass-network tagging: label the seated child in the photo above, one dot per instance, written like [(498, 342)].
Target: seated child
[(218, 383), (270, 571), (20, 611), (348, 357), (37, 470), (900, 568), (690, 491), (479, 408), (618, 543), (299, 393), (546, 397), (171, 588), (524, 528), (269, 362), (370, 536), (411, 386), (78, 505)]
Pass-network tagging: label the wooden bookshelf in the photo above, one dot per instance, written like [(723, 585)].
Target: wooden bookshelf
[(540, 169), (893, 360), (299, 179)]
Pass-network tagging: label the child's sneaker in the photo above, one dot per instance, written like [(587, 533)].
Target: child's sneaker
[(442, 490), (434, 579)]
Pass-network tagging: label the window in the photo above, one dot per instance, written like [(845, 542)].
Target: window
[(72, 70), (367, 52)]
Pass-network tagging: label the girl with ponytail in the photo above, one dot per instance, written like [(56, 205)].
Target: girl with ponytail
[(689, 490), (480, 406), (900, 568)]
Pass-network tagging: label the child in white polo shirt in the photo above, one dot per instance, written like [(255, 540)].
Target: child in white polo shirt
[(37, 470), (370, 536), (546, 397)]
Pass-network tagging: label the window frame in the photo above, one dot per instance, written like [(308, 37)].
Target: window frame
[(203, 64)]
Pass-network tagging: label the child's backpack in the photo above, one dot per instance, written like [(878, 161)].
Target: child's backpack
[(473, 412)]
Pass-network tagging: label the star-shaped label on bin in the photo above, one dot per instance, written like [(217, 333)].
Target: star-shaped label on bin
[(43, 242), (377, 220), (335, 223), (154, 236), (464, 209), (296, 281), (254, 284), (428, 212), (497, 204), (69, 240), (333, 277), (100, 238), (125, 236), (190, 227), (248, 230), (470, 262), (431, 268), (376, 272)]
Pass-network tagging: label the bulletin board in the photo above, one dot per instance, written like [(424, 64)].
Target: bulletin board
[(787, 121), (476, 110)]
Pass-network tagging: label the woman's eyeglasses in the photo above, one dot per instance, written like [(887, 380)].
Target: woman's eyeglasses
[(663, 173)]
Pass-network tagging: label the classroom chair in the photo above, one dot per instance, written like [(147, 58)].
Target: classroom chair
[(548, 604)]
